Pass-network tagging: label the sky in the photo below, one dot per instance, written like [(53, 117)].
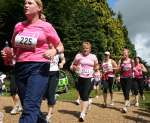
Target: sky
[(136, 17)]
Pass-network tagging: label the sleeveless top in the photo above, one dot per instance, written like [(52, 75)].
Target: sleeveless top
[(126, 69), (138, 73), (107, 69)]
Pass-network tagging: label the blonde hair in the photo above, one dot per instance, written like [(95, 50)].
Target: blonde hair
[(40, 4)]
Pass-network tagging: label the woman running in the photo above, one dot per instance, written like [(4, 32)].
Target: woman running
[(30, 41), (109, 67), (55, 64), (84, 62), (138, 83), (126, 75)]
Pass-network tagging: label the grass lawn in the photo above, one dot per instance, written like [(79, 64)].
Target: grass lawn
[(71, 95), (146, 103)]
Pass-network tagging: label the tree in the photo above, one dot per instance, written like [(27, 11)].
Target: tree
[(75, 21)]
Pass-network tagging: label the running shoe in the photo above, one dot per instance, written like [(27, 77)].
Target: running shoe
[(137, 104), (124, 110), (97, 97), (14, 111), (112, 104), (82, 117), (90, 101), (143, 97), (48, 119), (77, 102)]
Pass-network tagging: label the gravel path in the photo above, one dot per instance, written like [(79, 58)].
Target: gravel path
[(68, 112)]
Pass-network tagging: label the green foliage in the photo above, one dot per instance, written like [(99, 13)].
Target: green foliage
[(11, 11), (75, 21), (145, 103)]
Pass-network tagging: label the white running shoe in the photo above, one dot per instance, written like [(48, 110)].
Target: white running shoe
[(77, 101), (82, 117), (48, 119), (137, 104), (124, 110), (14, 111), (90, 101), (97, 97), (112, 104), (143, 97)]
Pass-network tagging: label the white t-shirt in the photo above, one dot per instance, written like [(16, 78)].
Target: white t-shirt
[(54, 62)]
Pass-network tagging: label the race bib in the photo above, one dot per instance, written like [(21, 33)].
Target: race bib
[(86, 70), (25, 42)]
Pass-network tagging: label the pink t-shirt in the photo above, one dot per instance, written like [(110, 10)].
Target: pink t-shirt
[(138, 73), (86, 64), (32, 40)]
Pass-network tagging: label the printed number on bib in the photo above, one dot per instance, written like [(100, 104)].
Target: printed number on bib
[(26, 42), (86, 71)]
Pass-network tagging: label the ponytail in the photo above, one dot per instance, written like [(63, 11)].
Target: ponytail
[(42, 17)]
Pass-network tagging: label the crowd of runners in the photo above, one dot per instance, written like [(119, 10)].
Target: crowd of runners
[(36, 51)]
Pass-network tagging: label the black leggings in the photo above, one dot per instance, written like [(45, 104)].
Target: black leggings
[(52, 85), (126, 86), (13, 86), (84, 88), (138, 86), (107, 84)]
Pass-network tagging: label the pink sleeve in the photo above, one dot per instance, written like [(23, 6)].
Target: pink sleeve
[(19, 27), (95, 59), (76, 59), (52, 35)]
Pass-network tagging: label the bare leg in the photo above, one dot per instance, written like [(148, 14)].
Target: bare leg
[(50, 113), (17, 106)]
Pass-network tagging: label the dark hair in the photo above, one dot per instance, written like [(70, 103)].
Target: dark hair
[(140, 60)]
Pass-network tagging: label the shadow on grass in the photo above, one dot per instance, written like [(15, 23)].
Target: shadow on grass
[(119, 102), (145, 110), (8, 109), (69, 101), (138, 119), (74, 113), (146, 105), (108, 107), (141, 113)]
